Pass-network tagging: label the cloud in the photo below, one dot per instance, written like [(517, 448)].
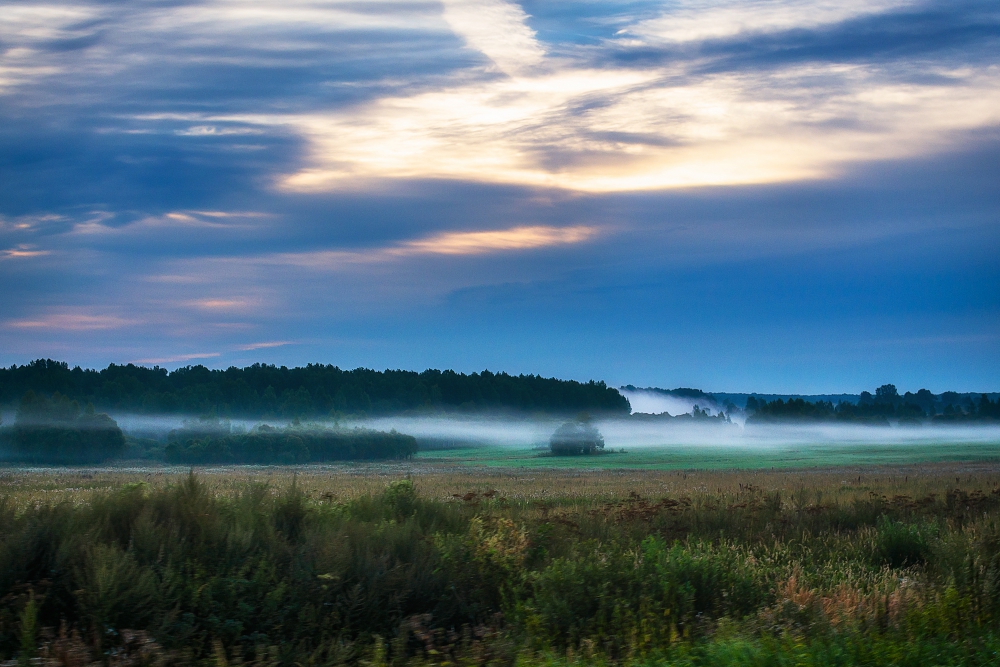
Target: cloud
[(477, 243), (699, 20), (607, 131), (708, 92), (498, 30), (265, 345), (221, 304), (69, 321), (176, 358), (22, 251), (571, 188), (446, 244)]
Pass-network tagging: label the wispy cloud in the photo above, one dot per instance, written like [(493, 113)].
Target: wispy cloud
[(447, 244), (497, 29), (478, 243), (620, 127), (222, 304), (193, 220), (697, 20), (69, 321), (177, 358), (265, 345), (21, 252)]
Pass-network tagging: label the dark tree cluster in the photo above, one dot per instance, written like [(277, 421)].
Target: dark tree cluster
[(276, 391), (56, 430), (266, 445), (576, 437), (878, 409)]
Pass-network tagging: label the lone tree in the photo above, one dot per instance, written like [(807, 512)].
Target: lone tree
[(576, 437)]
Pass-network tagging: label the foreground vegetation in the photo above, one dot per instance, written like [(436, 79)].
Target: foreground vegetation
[(824, 568)]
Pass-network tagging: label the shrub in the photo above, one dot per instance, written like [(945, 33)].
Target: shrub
[(576, 437), (900, 545)]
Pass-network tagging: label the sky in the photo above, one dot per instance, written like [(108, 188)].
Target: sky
[(790, 196)]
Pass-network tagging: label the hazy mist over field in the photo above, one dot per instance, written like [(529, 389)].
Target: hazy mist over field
[(631, 434), (443, 432)]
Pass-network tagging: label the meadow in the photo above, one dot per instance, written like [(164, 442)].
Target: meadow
[(718, 457), (435, 562)]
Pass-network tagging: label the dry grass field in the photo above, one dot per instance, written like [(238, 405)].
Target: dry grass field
[(840, 484)]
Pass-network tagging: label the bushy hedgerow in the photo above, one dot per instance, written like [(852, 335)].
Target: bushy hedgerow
[(266, 445)]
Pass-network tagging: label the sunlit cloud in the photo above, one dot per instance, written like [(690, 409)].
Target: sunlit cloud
[(551, 123), (221, 304), (177, 358), (213, 131), (72, 322), (618, 131), (477, 243), (584, 120), (498, 30), (447, 243), (695, 20), (172, 219), (265, 345), (21, 252)]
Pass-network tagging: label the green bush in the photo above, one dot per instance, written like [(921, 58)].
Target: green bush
[(898, 544), (609, 593)]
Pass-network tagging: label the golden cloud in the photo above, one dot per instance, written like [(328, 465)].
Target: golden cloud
[(21, 252), (527, 237), (72, 322)]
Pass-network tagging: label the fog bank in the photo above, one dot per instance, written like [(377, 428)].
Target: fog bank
[(654, 403), (436, 432)]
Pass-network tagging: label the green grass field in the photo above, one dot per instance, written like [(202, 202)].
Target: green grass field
[(719, 457)]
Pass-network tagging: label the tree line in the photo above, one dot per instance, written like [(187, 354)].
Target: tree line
[(878, 409), (294, 444), (263, 390)]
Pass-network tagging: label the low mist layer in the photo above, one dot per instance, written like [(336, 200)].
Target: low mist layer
[(633, 433)]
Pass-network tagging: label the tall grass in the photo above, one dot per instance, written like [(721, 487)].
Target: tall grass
[(191, 570)]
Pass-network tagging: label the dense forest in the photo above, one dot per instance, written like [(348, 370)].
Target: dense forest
[(887, 404), (314, 390)]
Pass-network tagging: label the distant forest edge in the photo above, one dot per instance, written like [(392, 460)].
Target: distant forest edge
[(57, 431), (315, 390), (878, 410), (884, 406)]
